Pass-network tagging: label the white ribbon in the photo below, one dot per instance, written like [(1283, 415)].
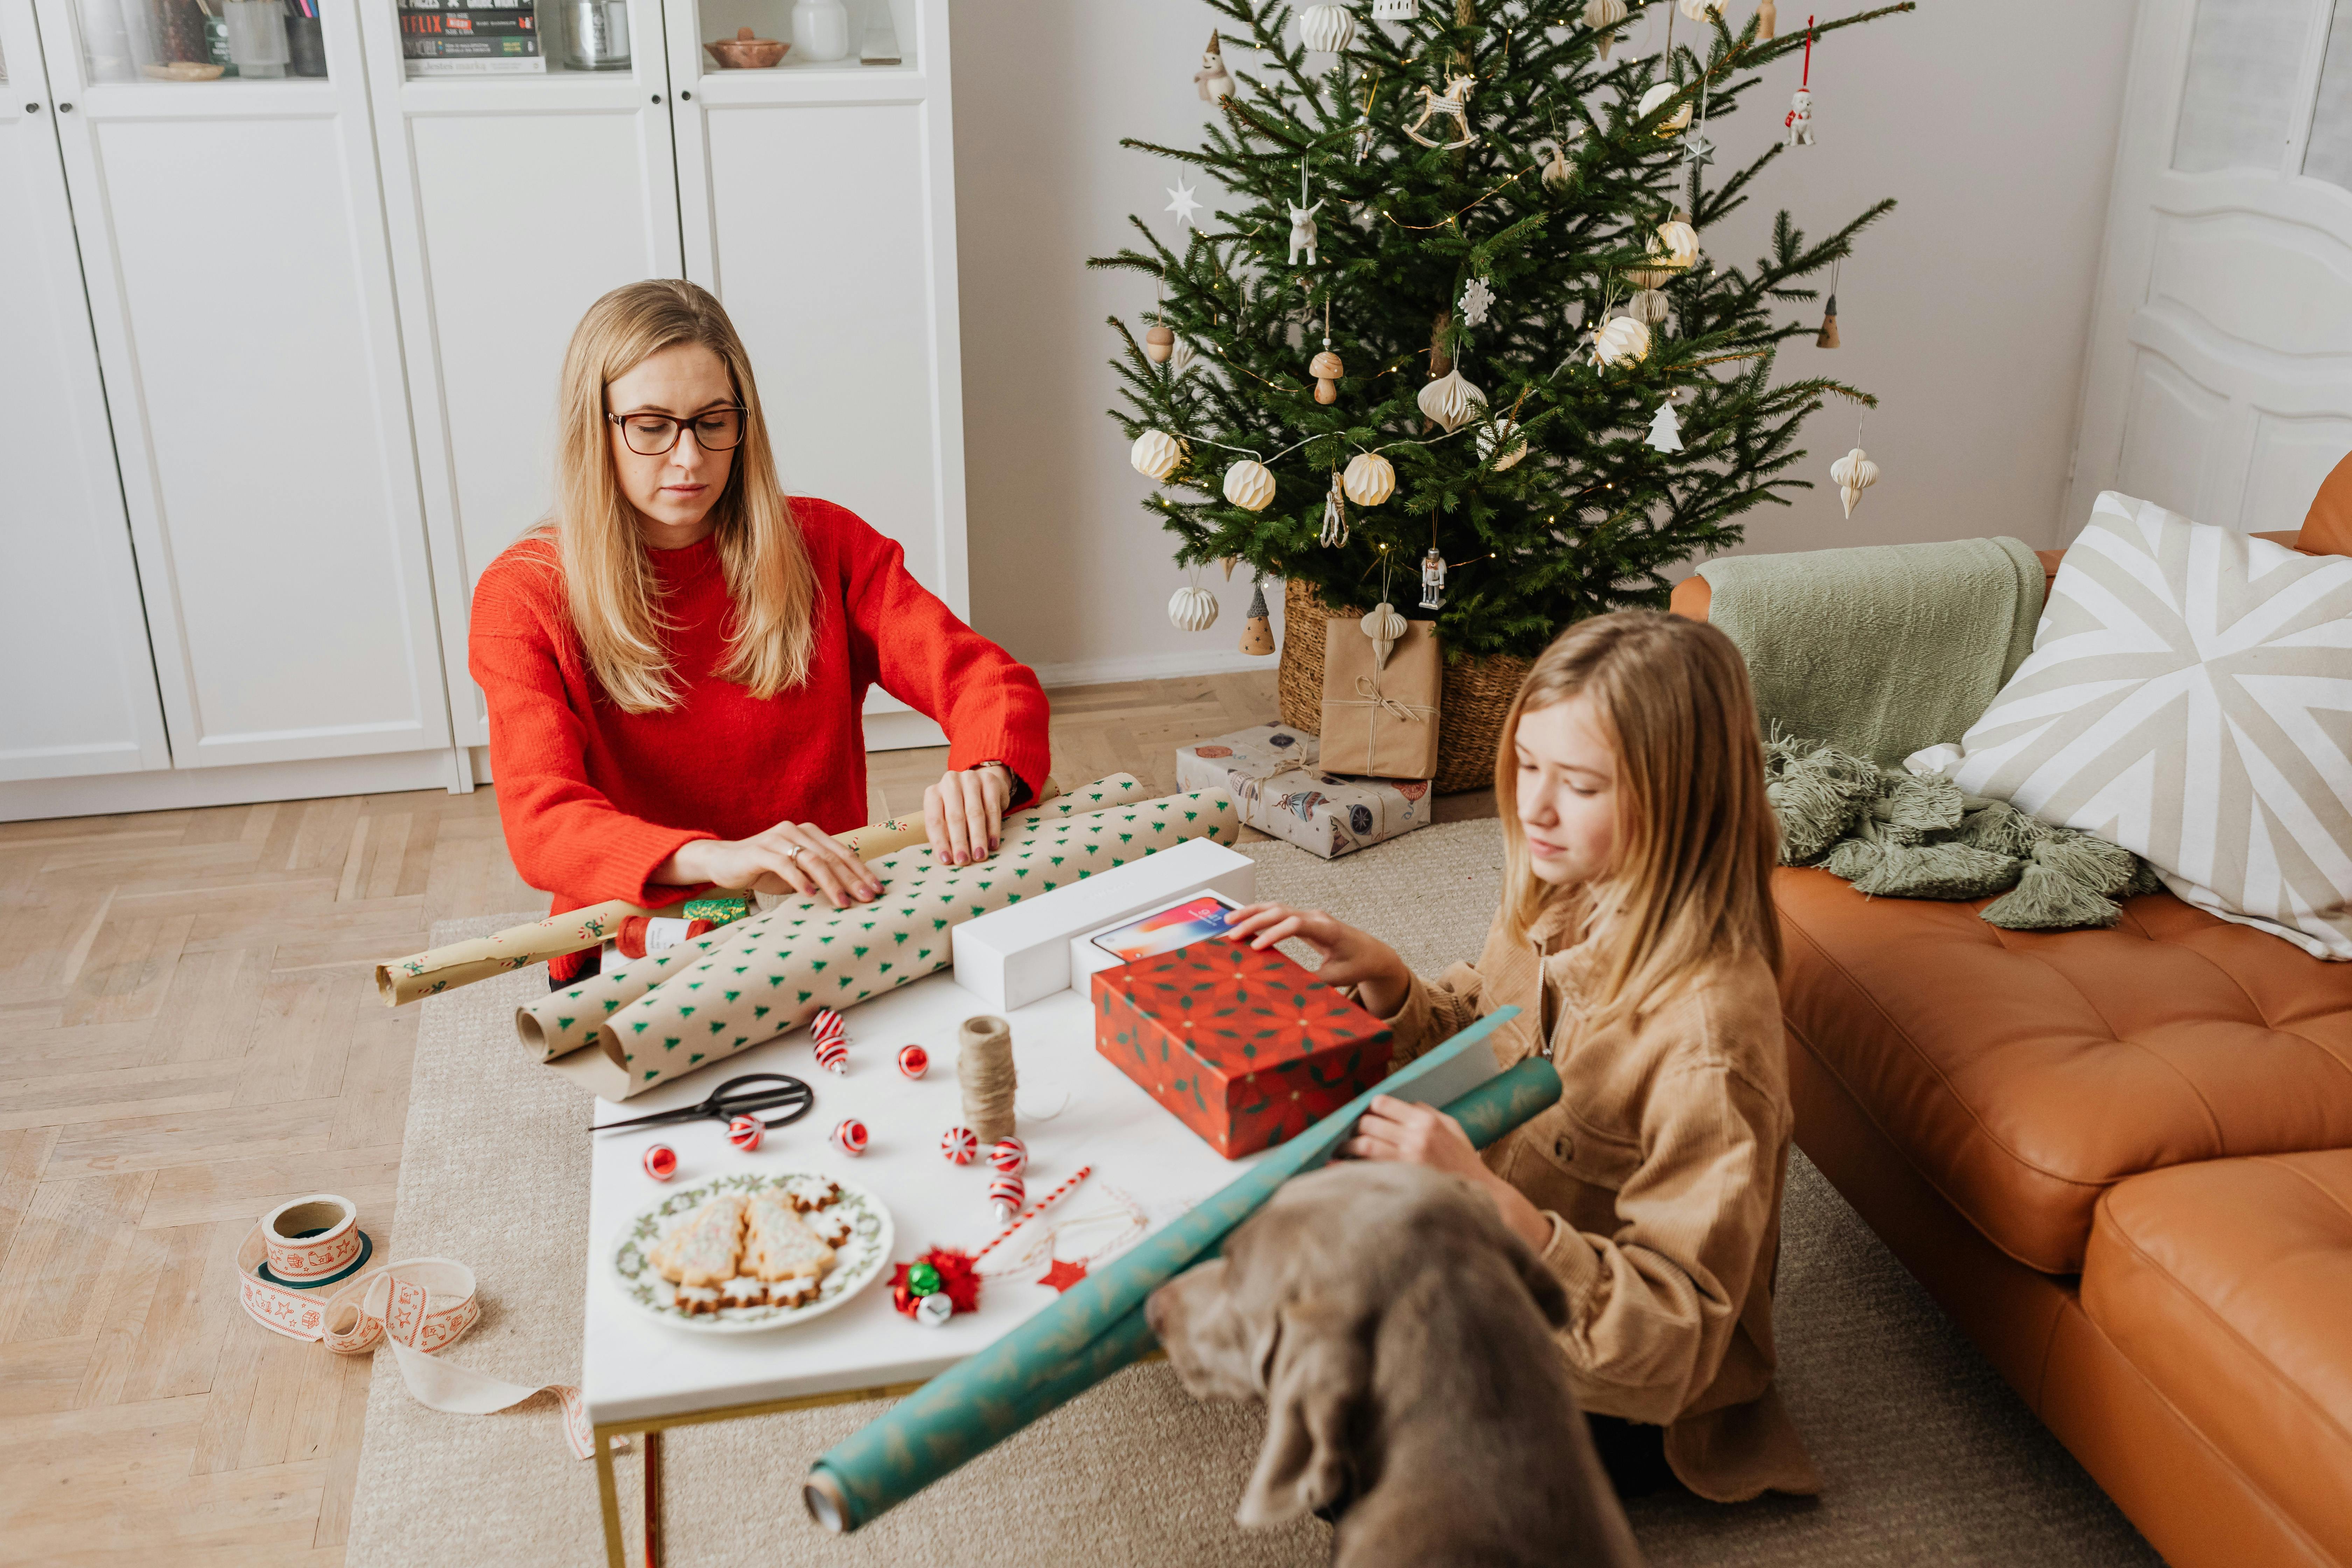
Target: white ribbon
[(417, 1306)]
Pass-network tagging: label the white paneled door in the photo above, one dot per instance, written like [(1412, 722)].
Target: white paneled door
[(2220, 382), (81, 688), (232, 236)]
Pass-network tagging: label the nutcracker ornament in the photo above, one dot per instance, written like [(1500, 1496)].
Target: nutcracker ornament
[(1432, 580)]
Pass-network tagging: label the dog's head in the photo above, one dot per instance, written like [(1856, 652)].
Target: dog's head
[(1290, 1311)]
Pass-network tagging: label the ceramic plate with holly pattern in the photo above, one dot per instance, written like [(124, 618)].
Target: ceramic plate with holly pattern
[(858, 1258)]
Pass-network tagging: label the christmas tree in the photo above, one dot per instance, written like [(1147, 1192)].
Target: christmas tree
[(1456, 279)]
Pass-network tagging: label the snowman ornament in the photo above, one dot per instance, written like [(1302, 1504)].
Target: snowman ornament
[(1302, 233)]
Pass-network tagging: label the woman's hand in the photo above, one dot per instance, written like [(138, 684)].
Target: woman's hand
[(1350, 957), (964, 813), (1422, 1135), (790, 858)]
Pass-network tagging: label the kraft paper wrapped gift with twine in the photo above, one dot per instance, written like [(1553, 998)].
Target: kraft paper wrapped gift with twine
[(678, 1011), (1270, 771), (1380, 699)]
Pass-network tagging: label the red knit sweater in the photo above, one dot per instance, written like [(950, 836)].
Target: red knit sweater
[(594, 799)]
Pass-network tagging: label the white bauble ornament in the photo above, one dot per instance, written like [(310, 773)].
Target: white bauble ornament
[(1384, 627), (1327, 29), (1451, 401), (1699, 10), (1192, 608), (1620, 339), (1855, 473), (1155, 453), (1370, 479), (1648, 306), (1602, 17), (1675, 246), (1503, 434), (1657, 96), (1395, 10), (1249, 484)]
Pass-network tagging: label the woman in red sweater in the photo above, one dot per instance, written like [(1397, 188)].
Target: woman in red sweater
[(676, 662)]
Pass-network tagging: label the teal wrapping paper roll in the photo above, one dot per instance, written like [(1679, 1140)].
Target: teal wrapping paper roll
[(1097, 1326)]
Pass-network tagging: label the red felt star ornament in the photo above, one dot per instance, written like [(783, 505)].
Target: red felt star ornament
[(1063, 1273)]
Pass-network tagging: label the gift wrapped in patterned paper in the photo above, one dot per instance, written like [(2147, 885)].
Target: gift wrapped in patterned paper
[(1270, 771), (1244, 1047)]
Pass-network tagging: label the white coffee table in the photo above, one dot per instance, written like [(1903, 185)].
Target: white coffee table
[(641, 1375)]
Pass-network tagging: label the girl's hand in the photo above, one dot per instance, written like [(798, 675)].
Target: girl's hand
[(964, 813), (1350, 957), (1422, 1135), (790, 858)]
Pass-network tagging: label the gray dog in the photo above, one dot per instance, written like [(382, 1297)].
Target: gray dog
[(1398, 1334)]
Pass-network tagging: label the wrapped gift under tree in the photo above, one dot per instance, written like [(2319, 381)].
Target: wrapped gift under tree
[(1380, 680), (1244, 1047), (1271, 772)]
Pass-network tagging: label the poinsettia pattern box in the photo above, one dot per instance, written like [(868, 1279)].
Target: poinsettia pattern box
[(1270, 772), (1245, 1048)]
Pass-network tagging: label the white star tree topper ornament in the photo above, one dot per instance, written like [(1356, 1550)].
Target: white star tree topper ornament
[(1477, 299), (1183, 203)]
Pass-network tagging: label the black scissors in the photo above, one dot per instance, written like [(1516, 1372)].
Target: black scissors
[(738, 1097)]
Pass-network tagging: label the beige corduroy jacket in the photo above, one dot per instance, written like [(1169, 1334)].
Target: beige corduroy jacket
[(1661, 1170)]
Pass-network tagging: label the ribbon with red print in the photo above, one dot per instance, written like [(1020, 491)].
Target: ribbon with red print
[(418, 1306)]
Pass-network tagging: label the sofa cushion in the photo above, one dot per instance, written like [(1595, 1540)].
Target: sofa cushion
[(2024, 1072), (2229, 1285)]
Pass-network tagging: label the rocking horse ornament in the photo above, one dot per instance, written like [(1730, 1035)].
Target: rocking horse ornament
[(1455, 101)]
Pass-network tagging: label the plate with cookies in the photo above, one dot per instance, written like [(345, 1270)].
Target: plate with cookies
[(750, 1252)]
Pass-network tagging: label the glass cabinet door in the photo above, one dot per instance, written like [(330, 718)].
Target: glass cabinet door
[(201, 40)]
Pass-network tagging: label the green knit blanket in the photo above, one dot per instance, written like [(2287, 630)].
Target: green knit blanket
[(1882, 649), (1896, 835)]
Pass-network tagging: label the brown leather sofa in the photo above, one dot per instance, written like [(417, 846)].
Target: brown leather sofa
[(2122, 1160)]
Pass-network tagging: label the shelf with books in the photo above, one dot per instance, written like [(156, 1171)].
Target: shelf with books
[(144, 41)]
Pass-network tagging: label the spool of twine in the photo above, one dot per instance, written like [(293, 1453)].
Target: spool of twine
[(984, 1070)]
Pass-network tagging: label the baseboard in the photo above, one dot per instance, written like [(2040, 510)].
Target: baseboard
[(188, 789), (1149, 666)]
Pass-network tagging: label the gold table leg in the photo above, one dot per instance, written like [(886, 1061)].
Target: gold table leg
[(608, 1494)]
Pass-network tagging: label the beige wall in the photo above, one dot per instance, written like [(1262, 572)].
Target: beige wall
[(1991, 121)]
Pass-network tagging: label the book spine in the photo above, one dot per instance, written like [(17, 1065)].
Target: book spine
[(464, 48), (445, 68)]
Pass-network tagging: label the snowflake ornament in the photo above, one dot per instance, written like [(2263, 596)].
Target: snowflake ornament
[(1477, 299), (1183, 203)]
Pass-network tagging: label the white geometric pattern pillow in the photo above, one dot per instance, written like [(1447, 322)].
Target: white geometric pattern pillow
[(2189, 698)]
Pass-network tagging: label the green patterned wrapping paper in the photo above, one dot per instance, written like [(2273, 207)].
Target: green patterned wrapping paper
[(1096, 1327), (783, 968), (568, 1020)]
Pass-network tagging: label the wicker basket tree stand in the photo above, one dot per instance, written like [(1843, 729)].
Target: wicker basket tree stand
[(1476, 695)]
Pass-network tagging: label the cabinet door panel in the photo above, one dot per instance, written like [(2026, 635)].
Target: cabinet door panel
[(82, 697), (242, 292)]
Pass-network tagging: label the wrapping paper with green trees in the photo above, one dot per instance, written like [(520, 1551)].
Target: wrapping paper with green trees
[(771, 975), (1244, 1047)]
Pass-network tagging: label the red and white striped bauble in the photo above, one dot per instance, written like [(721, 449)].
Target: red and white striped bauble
[(914, 1061), (1009, 1155), (827, 1025), (661, 1162), (833, 1056), (850, 1136), (1006, 1195), (958, 1145), (745, 1132)]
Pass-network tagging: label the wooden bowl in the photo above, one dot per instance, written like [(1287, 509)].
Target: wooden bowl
[(744, 52), (182, 70)]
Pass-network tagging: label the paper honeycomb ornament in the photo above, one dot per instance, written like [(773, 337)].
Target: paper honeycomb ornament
[(1652, 100), (1675, 246), (1855, 473), (1451, 400), (1384, 627), (1192, 608), (1648, 306), (1327, 29), (1620, 339), (1155, 453), (1370, 479), (1249, 484), (1602, 17)]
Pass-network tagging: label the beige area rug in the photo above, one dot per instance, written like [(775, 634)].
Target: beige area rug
[(1928, 1456)]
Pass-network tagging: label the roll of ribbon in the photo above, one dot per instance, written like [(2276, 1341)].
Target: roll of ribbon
[(417, 1306)]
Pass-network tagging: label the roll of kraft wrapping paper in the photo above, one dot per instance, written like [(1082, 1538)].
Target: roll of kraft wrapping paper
[(751, 991), (568, 1020), (881, 838), (1097, 1326)]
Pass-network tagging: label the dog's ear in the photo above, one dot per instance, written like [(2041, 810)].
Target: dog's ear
[(1552, 1298), (1319, 1371)]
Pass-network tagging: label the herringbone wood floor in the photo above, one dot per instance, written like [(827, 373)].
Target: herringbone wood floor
[(189, 1036)]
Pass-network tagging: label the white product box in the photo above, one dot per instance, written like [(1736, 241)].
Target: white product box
[(1019, 953)]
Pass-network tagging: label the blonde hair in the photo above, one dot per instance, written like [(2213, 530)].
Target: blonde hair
[(1691, 881), (615, 603)]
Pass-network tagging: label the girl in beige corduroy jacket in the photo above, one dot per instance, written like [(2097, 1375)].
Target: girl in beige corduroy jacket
[(1638, 939)]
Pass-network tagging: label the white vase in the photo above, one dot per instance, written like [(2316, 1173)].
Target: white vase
[(820, 30)]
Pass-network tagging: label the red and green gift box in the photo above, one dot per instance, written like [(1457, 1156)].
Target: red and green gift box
[(1244, 1047)]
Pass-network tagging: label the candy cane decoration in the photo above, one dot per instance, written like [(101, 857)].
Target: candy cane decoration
[(1033, 1210)]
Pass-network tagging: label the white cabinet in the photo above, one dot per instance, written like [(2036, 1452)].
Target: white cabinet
[(233, 245), (80, 697)]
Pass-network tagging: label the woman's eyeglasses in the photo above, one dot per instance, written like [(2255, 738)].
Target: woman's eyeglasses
[(657, 435)]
